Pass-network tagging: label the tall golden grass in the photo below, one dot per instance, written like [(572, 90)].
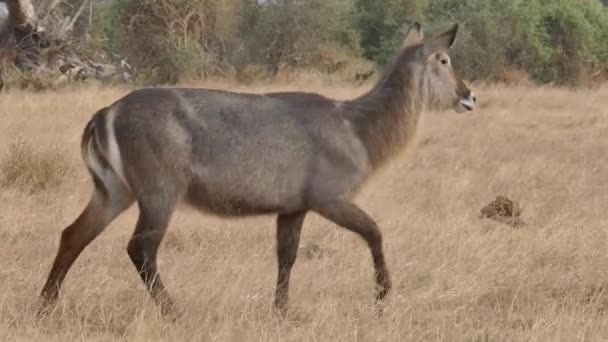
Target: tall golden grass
[(456, 276)]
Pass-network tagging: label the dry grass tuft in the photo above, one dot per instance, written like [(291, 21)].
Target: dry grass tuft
[(503, 210), (33, 171), (315, 251)]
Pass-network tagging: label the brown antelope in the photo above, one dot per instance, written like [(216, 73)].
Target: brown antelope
[(238, 154)]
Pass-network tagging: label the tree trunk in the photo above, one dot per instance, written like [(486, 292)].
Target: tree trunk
[(21, 13)]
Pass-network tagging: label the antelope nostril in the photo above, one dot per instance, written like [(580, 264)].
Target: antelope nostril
[(472, 97)]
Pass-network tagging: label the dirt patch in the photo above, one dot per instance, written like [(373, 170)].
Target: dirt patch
[(503, 210)]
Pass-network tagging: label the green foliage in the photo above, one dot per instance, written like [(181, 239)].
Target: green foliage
[(107, 24), (565, 40), (561, 41), (290, 32), (381, 25)]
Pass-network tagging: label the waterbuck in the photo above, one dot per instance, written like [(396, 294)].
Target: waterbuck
[(238, 154)]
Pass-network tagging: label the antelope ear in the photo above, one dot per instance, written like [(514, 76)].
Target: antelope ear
[(441, 42), (414, 35)]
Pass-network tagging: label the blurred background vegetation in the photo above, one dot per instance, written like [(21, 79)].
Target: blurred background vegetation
[(167, 41)]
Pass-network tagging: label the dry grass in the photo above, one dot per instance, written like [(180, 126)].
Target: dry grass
[(456, 277), (28, 169)]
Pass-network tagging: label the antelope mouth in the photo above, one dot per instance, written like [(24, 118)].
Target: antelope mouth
[(466, 104)]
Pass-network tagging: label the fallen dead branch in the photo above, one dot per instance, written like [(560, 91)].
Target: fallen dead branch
[(37, 43)]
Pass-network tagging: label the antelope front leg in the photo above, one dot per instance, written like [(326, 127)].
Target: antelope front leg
[(288, 239), (356, 220)]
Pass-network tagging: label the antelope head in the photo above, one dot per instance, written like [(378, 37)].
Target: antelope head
[(431, 66)]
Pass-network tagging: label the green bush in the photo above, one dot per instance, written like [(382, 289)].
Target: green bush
[(565, 41), (291, 32), (107, 25), (381, 25), (559, 41)]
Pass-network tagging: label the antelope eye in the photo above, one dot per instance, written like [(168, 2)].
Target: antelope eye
[(445, 61)]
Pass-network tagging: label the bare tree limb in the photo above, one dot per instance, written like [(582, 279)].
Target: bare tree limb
[(70, 25), (46, 7), (48, 52)]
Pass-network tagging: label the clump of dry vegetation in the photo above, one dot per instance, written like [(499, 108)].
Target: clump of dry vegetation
[(503, 210), (314, 251), (31, 170), (43, 44)]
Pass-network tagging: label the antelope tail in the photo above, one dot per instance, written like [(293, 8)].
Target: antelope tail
[(100, 152)]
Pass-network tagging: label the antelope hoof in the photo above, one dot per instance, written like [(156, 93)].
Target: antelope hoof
[(45, 305), (382, 291), (280, 307), (383, 288), (168, 309)]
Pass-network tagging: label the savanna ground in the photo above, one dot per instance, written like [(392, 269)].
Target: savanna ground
[(456, 277)]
